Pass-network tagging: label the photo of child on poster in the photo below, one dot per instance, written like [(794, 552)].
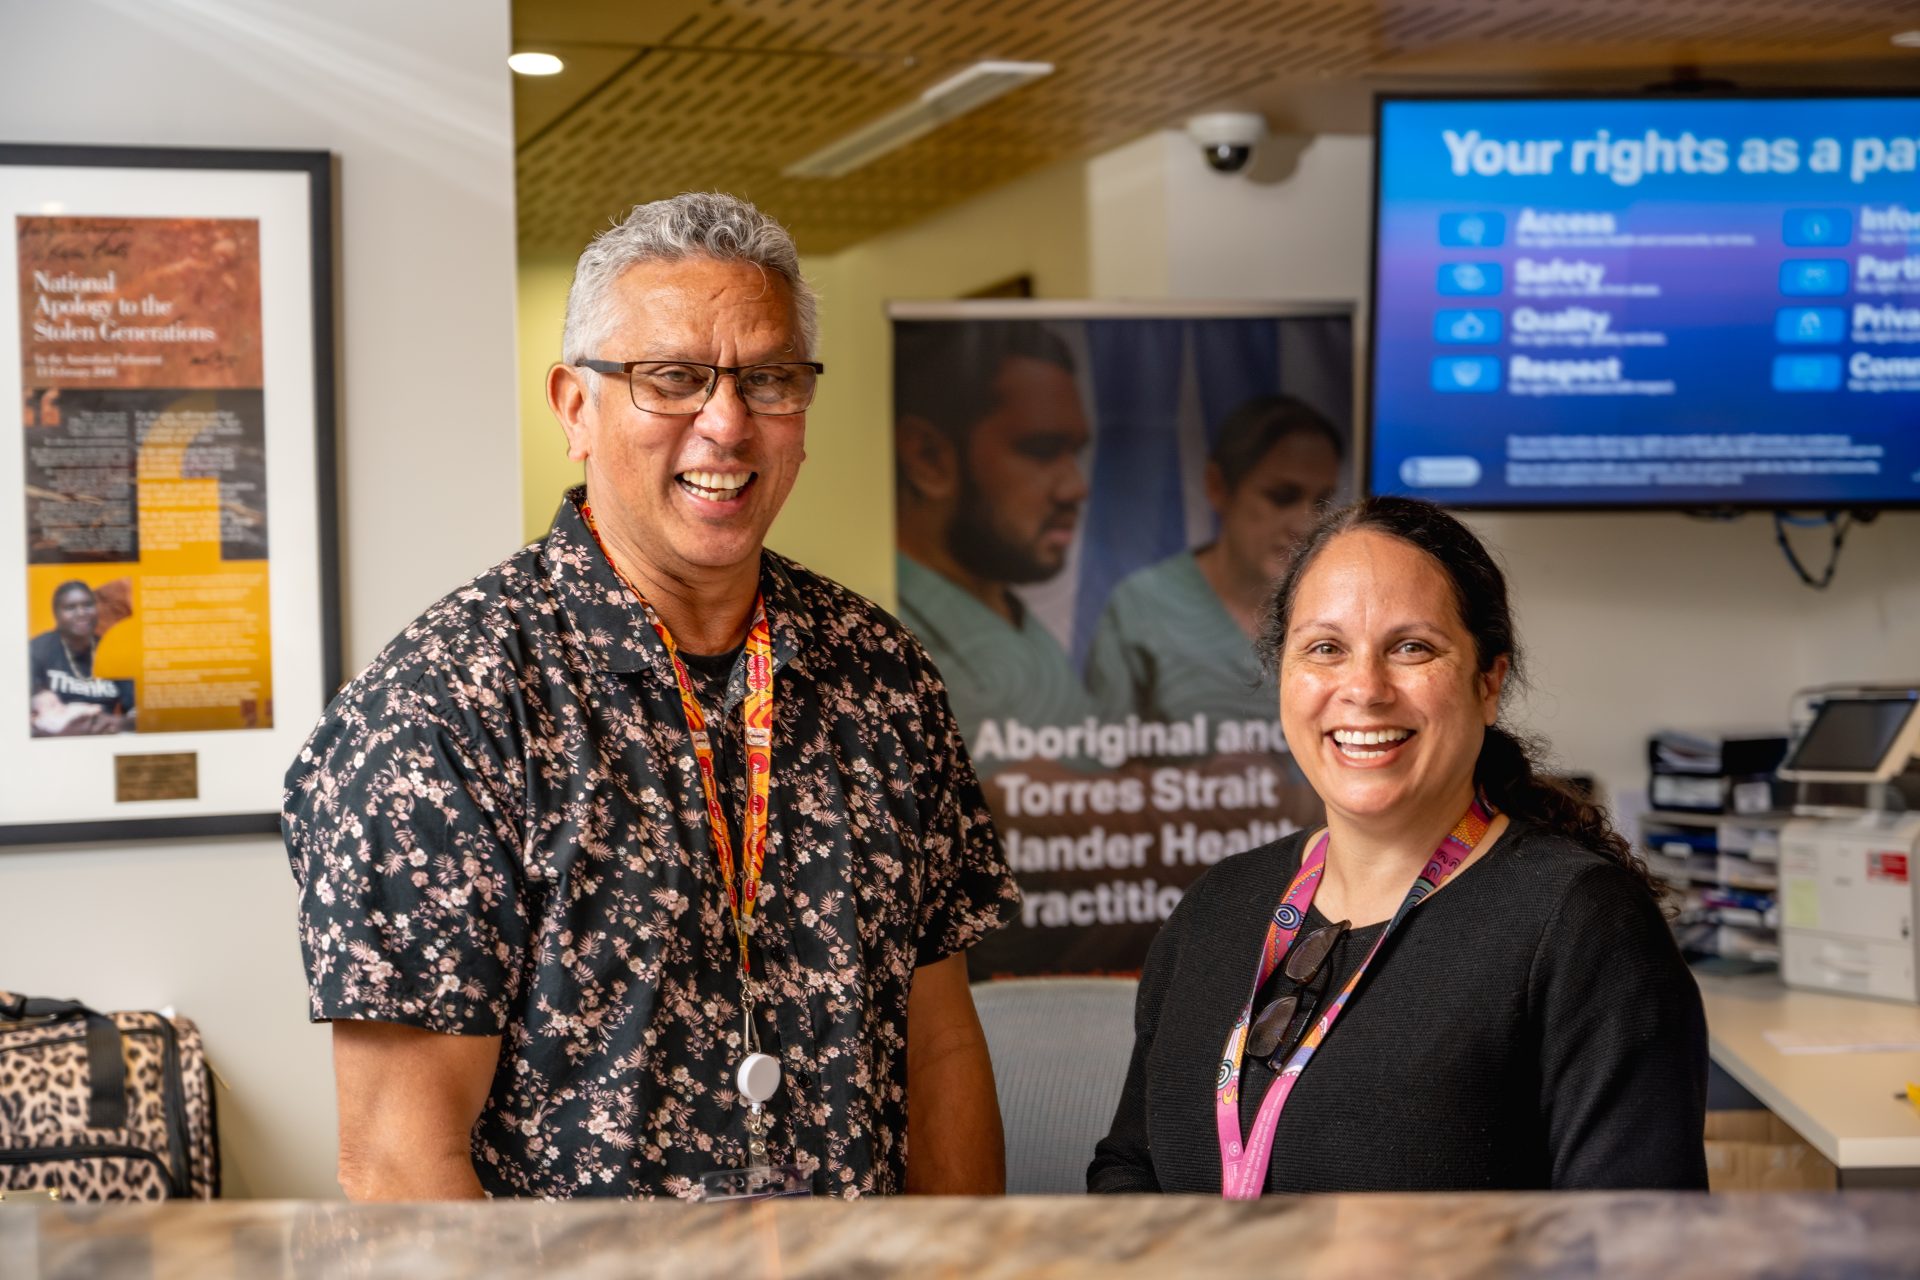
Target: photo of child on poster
[(1089, 512)]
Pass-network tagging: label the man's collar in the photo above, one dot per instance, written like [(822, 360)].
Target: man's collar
[(787, 616), (613, 624)]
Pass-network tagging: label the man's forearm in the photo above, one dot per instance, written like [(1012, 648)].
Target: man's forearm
[(378, 1176), (409, 1099), (954, 1146)]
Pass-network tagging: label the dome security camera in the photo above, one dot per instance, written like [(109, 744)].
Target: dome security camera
[(1227, 138)]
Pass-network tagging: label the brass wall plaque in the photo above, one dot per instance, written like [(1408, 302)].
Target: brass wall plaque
[(173, 776)]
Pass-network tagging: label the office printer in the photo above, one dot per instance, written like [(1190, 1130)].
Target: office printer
[(1849, 858)]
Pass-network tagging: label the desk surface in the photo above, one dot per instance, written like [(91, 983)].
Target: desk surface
[(1841, 1103), (1855, 1234)]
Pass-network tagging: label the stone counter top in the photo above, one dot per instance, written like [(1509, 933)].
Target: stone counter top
[(1853, 1234)]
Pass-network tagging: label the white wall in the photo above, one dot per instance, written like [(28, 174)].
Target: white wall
[(1633, 621), (414, 99)]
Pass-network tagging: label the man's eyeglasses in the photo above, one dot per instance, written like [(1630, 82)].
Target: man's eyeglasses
[(1303, 964), (683, 387)]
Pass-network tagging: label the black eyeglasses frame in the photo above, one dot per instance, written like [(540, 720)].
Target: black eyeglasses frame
[(624, 369)]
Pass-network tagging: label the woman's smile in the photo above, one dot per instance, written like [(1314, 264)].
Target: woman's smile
[(1370, 746)]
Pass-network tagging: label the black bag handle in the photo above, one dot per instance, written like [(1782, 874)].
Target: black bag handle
[(106, 1054)]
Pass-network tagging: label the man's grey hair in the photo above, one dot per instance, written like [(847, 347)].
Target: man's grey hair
[(695, 223)]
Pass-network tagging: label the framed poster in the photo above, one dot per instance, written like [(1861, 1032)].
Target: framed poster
[(1092, 501), (167, 511)]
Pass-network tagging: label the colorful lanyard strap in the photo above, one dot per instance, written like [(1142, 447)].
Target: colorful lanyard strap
[(743, 892), (1243, 1166)]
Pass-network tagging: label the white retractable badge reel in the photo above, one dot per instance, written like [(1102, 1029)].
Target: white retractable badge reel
[(758, 1078)]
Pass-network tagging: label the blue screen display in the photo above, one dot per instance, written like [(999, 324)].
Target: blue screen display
[(1648, 302)]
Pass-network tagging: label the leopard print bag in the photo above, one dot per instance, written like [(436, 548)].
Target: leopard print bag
[(100, 1106)]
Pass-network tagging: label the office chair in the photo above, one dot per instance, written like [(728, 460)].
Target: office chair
[(1060, 1048)]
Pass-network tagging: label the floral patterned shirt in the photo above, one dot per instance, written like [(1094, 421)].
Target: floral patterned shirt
[(498, 829)]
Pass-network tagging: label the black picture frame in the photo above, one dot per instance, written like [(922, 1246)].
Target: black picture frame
[(297, 191)]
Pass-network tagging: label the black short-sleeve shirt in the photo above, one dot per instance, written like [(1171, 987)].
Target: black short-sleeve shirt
[(71, 677), (498, 829)]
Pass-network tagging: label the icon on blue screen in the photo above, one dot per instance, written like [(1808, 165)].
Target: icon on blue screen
[(1479, 324), (1442, 472), (1470, 279), (1473, 230), (1817, 228), (1466, 373), (1813, 277), (1806, 373), (1810, 324)]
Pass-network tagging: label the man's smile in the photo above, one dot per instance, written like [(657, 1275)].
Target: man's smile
[(716, 486)]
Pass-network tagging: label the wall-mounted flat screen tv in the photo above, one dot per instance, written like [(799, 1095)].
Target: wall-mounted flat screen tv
[(1636, 302)]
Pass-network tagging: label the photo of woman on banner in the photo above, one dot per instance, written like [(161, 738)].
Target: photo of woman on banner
[(1176, 638), (68, 699)]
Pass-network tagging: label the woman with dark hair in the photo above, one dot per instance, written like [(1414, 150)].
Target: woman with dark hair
[(1176, 638), (67, 698), (1464, 980)]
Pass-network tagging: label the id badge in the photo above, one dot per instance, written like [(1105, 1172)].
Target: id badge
[(758, 1080), (756, 1182)]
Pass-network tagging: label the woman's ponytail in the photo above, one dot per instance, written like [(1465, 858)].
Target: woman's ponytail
[(1509, 772)]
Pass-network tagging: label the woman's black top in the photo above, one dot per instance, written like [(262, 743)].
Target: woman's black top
[(1530, 1026)]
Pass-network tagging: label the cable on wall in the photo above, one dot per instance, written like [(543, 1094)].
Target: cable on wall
[(1839, 524)]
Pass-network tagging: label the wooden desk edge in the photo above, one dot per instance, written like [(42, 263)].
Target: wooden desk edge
[(1843, 1152), (1776, 1101)]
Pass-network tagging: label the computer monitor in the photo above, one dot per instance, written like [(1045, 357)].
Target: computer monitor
[(1868, 736)]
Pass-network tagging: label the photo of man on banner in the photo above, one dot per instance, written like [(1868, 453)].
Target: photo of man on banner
[(1089, 511), (988, 432)]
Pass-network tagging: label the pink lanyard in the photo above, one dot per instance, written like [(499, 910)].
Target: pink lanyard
[(1243, 1167)]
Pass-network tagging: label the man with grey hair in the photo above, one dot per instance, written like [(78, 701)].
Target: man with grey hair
[(649, 856)]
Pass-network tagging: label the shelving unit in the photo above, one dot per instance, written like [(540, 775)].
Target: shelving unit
[(1725, 869)]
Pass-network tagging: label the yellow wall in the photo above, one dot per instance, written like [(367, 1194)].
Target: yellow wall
[(839, 519), (545, 472)]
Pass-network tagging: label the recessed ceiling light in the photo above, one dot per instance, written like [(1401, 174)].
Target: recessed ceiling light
[(536, 64), (1907, 39)]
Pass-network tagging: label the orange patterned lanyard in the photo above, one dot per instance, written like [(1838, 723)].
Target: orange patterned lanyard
[(744, 893)]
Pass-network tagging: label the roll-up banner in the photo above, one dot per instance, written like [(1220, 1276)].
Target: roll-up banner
[(1092, 504)]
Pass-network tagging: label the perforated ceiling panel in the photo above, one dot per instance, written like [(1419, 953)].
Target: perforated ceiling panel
[(678, 95)]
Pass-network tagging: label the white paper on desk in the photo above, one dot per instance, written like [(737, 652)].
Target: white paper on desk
[(1844, 1041)]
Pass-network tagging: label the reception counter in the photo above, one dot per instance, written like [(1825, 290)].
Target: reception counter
[(1853, 1234)]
